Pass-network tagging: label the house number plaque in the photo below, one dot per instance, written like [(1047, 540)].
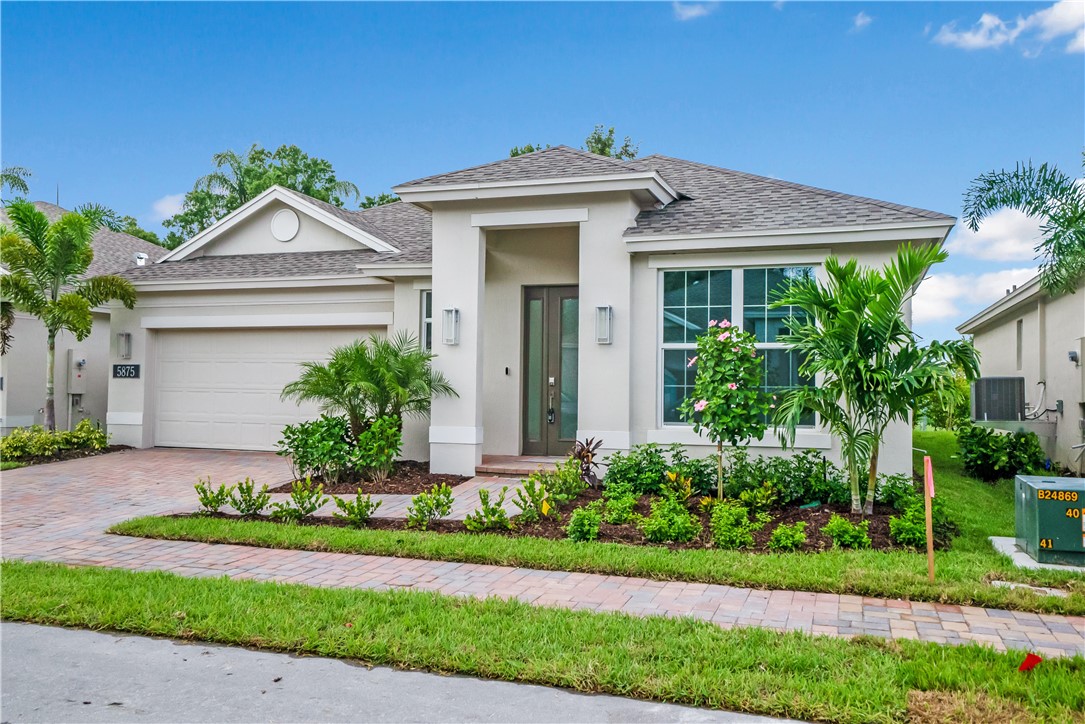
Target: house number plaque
[(126, 372)]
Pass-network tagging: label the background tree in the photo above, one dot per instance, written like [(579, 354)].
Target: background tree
[(1045, 193), (46, 264), (13, 178), (527, 148), (239, 178), (380, 199), (601, 141), (870, 368)]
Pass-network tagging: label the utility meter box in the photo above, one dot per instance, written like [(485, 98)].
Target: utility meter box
[(77, 372), (1050, 516)]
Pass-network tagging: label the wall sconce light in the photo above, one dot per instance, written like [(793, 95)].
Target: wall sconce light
[(604, 317), (450, 328), (1074, 357), (124, 345)]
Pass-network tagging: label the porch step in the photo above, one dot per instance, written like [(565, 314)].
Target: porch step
[(515, 464)]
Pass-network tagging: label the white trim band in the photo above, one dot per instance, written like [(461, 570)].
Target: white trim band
[(123, 418), (237, 321), (450, 435)]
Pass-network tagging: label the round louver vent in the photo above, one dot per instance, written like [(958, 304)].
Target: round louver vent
[(284, 224)]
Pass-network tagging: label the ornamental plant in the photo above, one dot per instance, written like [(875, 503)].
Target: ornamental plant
[(727, 403)]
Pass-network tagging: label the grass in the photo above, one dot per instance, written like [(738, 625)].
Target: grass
[(676, 660), (963, 573), (10, 464)]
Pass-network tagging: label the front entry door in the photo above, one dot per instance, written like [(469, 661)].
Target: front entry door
[(551, 355)]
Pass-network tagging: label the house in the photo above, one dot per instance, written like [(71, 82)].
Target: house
[(22, 369), (561, 291), (1030, 334)]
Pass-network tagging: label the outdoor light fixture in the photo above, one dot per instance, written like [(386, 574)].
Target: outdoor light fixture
[(124, 345), (604, 315), (451, 326)]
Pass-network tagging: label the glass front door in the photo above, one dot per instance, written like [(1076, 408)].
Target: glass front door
[(551, 356)]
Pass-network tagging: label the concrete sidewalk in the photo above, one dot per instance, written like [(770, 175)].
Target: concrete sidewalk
[(56, 674)]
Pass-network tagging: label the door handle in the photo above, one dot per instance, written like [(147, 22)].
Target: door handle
[(550, 409)]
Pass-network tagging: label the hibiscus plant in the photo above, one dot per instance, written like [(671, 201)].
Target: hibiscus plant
[(727, 403)]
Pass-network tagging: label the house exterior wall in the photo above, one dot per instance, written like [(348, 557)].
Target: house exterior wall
[(1050, 329), (23, 372), (407, 318), (253, 236)]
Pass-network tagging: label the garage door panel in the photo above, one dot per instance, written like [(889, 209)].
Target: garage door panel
[(221, 388)]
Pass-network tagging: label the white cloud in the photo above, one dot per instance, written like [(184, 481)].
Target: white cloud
[(955, 297), (167, 206), (1005, 235), (778, 5), (1065, 18), (860, 21), (692, 11)]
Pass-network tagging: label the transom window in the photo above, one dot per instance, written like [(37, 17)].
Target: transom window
[(426, 326), (694, 297)]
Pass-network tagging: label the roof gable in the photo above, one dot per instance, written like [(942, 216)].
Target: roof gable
[(557, 162)]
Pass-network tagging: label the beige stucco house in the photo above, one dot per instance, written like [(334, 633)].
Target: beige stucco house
[(561, 291), (1030, 334), (80, 389)]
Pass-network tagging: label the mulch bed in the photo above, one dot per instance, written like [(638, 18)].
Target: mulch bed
[(553, 527), (71, 455), (408, 477)]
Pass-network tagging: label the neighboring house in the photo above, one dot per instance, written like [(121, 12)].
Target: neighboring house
[(561, 291), (1029, 334), (22, 369)]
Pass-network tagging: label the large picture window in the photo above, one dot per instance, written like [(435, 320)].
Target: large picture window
[(693, 298)]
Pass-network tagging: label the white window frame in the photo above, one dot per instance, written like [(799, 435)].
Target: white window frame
[(425, 338), (737, 318)]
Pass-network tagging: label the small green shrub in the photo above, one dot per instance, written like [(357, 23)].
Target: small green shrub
[(319, 448), (304, 501), (910, 528), (210, 499), (378, 446), (532, 500), (701, 473), (846, 534), (897, 491), (246, 500), (670, 522), (428, 507), (788, 537), (489, 516), (731, 525), (643, 469), (991, 455), (805, 477), (356, 513), (37, 442), (84, 436), (584, 523), (619, 510), (761, 498)]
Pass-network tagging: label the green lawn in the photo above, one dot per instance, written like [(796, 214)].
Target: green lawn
[(10, 464), (963, 572), (677, 660)]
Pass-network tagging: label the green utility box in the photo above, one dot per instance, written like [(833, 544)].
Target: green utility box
[(1050, 516)]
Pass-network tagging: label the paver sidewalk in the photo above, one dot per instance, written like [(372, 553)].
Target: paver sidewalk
[(58, 512)]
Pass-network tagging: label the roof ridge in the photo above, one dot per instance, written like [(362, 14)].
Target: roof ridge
[(517, 159), (806, 187)]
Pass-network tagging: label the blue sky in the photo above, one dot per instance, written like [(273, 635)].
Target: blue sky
[(124, 104)]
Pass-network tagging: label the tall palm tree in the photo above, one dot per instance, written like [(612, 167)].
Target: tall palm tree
[(46, 265), (1046, 193), (233, 176), (871, 370), (372, 378)]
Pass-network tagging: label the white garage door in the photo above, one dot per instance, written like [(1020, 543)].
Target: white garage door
[(220, 388)]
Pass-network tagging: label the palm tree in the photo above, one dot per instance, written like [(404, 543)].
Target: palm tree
[(14, 178), (372, 378), (870, 367), (46, 266), (1046, 193)]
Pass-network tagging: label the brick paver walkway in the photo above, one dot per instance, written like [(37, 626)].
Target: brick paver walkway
[(58, 512)]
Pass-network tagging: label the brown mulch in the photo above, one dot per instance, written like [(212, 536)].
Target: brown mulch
[(62, 455), (553, 526), (409, 477)]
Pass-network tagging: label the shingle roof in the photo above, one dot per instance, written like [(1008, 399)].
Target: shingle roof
[(720, 200), (113, 250), (549, 163), (404, 226)]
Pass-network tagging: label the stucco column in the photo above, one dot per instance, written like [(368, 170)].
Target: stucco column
[(130, 415), (459, 275)]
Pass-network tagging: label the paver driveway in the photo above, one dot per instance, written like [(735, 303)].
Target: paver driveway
[(58, 512)]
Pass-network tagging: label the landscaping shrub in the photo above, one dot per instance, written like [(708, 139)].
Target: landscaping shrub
[(210, 499), (702, 472), (759, 499), (318, 448), (806, 477), (489, 516), (731, 525), (428, 507), (897, 491), (584, 523), (37, 442), (378, 446), (246, 500), (304, 501), (910, 529), (846, 534), (563, 483), (532, 500), (991, 455), (788, 537), (585, 453), (642, 469), (670, 522), (619, 510), (356, 513)]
